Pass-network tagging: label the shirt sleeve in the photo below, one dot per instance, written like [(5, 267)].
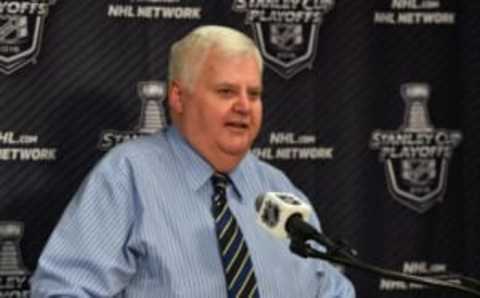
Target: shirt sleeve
[(333, 284), (89, 253)]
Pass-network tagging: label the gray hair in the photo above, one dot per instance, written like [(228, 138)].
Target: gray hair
[(188, 54)]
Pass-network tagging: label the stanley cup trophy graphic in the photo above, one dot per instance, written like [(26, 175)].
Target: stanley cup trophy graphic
[(417, 172), (10, 257), (152, 94), (416, 96)]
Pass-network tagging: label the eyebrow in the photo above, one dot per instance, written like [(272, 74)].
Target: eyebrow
[(233, 85)]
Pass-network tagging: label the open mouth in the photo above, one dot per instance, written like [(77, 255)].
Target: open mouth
[(237, 125)]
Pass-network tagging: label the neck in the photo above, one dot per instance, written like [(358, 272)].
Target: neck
[(225, 164)]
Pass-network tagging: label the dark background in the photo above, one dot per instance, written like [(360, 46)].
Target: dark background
[(84, 82)]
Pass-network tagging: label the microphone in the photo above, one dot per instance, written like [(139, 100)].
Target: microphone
[(278, 212), (285, 216)]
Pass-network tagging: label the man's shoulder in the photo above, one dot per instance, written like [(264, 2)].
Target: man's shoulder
[(266, 171), (264, 166), (144, 144), (144, 150)]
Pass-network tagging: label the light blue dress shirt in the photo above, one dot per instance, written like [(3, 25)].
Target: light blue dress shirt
[(141, 226)]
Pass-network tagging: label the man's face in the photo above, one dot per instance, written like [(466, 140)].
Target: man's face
[(222, 113)]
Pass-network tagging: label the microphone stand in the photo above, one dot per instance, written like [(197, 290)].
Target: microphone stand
[(345, 256)]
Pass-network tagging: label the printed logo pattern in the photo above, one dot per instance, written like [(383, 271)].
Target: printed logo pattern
[(152, 116), (21, 30), (416, 156), (286, 31)]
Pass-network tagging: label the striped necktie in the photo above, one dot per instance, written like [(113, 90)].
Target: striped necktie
[(239, 274)]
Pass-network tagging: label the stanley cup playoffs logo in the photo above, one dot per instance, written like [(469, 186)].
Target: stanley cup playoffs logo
[(21, 30), (416, 156), (152, 116), (286, 31)]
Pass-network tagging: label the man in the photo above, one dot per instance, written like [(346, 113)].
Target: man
[(147, 221)]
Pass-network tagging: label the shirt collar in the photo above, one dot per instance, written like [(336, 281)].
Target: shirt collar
[(197, 170), (239, 176)]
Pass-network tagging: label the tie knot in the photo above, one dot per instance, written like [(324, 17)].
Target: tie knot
[(219, 182)]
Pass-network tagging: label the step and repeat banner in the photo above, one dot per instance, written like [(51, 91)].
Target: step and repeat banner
[(371, 107)]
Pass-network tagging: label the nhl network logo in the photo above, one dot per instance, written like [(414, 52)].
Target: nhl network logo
[(21, 30), (286, 31), (13, 275), (152, 117), (416, 156)]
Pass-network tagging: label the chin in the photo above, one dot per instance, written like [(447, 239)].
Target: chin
[(238, 151)]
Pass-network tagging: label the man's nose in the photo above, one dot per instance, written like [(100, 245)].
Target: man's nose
[(243, 104)]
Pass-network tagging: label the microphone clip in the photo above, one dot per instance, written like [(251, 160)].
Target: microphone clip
[(300, 246)]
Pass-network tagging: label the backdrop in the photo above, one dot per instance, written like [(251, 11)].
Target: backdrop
[(371, 108)]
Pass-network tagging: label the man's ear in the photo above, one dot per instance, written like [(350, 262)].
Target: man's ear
[(175, 97)]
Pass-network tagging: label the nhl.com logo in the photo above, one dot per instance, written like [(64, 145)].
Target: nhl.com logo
[(21, 31), (416, 156), (152, 116), (286, 31)]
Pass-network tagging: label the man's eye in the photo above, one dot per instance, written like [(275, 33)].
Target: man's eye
[(255, 95), (225, 91)]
